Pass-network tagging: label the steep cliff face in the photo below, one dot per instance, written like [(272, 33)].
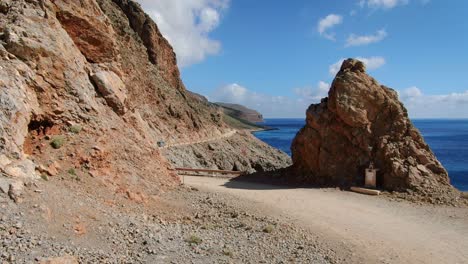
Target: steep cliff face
[(360, 122), (91, 86)]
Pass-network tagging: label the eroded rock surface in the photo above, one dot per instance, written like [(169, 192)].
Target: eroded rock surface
[(360, 122), (241, 152), (87, 89)]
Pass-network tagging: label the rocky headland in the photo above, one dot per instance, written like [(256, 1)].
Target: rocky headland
[(361, 122)]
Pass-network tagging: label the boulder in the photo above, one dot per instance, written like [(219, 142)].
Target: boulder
[(21, 169), (360, 122), (111, 87), (16, 190)]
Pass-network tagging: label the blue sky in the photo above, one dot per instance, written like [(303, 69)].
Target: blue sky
[(278, 57)]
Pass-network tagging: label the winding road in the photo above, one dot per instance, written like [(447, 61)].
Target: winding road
[(362, 229), (223, 136)]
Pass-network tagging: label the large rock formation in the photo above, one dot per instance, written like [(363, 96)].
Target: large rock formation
[(91, 85), (360, 122)]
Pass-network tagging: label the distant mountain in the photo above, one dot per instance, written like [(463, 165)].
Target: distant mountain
[(242, 112), (198, 96), (235, 115)]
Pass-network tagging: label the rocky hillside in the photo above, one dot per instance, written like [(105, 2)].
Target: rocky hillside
[(241, 153), (88, 88), (360, 122), (242, 112)]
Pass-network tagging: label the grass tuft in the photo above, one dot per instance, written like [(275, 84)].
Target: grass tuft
[(75, 129), (44, 177), (72, 171), (193, 240), (268, 229), (57, 142)]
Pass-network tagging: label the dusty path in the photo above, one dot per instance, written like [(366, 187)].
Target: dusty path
[(223, 136), (361, 228)]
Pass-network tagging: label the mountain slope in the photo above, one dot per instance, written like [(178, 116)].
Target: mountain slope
[(91, 87), (242, 112)]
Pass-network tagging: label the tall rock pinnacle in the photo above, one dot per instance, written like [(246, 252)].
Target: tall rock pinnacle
[(360, 122)]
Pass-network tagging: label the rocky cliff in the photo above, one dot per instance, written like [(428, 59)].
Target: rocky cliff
[(360, 122), (88, 88)]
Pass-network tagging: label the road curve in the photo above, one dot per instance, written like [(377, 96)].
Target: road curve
[(361, 228), (192, 142)]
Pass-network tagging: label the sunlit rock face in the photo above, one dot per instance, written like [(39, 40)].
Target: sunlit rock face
[(360, 122)]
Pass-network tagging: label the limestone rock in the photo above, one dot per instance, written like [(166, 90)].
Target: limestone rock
[(16, 190), (111, 87), (21, 169), (4, 185), (61, 260), (360, 122)]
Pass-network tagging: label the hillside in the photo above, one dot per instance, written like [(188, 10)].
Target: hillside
[(92, 86), (242, 112), (234, 115)]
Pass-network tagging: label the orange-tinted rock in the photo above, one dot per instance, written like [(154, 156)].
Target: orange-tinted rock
[(89, 28), (360, 122)]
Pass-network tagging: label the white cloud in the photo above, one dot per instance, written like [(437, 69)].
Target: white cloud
[(187, 24), (382, 4), (411, 93), (419, 105), (355, 40), (328, 22), (314, 94), (268, 105), (372, 63)]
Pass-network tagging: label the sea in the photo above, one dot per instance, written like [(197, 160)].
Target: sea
[(448, 139)]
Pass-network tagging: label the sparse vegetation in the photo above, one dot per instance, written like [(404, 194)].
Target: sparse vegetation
[(72, 171), (75, 129), (57, 142), (228, 253), (44, 177), (268, 229), (193, 240)]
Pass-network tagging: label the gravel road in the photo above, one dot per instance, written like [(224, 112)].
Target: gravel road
[(362, 228)]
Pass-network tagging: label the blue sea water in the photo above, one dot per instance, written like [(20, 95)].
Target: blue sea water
[(447, 138)]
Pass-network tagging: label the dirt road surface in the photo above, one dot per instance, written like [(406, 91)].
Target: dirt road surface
[(361, 228)]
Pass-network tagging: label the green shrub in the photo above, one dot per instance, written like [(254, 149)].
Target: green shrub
[(57, 142), (44, 177), (72, 171), (268, 229), (228, 253), (75, 129), (193, 240)]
